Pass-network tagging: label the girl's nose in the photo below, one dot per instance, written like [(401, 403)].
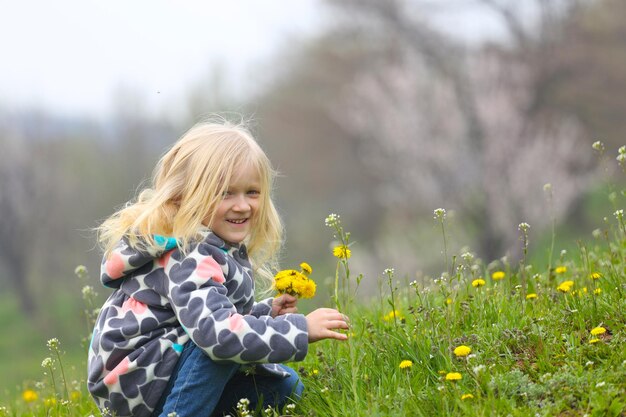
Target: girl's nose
[(241, 204)]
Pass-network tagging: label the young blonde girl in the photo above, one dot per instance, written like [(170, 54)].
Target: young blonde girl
[(181, 331)]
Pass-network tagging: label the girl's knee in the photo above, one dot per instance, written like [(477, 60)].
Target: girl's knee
[(292, 386)]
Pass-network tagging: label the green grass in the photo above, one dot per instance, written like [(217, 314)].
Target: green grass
[(528, 356)]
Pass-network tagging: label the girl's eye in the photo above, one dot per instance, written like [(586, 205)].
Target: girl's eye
[(227, 194), (254, 192)]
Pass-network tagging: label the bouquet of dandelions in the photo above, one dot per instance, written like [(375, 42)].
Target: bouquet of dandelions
[(296, 283)]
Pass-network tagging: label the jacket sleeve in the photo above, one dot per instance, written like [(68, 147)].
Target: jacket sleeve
[(199, 300), (262, 308)]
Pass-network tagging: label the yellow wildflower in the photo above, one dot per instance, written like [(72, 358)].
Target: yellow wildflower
[(596, 331), (498, 275), (594, 340), (531, 296), (560, 269), (466, 397), (565, 286), (295, 283), (479, 282), (393, 314), (405, 364), (448, 301), (29, 396), (453, 376), (597, 291), (462, 350), (595, 275), (306, 268), (342, 252), (75, 395), (441, 372), (50, 402), (315, 372)]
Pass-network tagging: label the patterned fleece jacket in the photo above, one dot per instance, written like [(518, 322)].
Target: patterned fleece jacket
[(164, 298)]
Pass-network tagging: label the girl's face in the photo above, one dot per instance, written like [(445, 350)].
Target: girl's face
[(236, 212)]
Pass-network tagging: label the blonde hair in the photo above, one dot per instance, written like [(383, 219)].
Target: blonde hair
[(187, 186)]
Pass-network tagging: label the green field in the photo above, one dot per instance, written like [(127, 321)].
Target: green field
[(482, 340)]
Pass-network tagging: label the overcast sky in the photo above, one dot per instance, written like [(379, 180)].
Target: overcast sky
[(70, 56)]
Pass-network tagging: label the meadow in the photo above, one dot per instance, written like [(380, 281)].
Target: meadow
[(501, 338)]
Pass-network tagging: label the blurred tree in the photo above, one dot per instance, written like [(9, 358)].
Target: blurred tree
[(320, 171), (460, 128), (578, 54), (30, 188)]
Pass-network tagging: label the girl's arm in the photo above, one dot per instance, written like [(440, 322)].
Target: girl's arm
[(199, 300), (262, 308)]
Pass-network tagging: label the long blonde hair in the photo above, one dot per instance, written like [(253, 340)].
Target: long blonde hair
[(187, 186)]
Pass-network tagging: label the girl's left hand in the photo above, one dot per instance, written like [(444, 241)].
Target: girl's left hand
[(284, 304)]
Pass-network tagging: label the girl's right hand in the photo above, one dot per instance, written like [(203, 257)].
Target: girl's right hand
[(323, 321)]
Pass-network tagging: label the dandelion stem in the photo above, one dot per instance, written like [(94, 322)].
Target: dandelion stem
[(54, 385), (67, 394), (336, 296), (548, 189), (389, 273), (445, 246)]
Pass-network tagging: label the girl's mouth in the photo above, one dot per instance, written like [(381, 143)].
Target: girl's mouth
[(237, 221)]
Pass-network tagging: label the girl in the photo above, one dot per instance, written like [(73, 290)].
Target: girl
[(181, 332)]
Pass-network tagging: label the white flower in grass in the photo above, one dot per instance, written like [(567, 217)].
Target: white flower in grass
[(598, 146), (332, 220), (440, 214)]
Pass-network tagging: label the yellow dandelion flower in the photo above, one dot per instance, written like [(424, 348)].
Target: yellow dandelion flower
[(596, 331), (560, 269), (498, 275), (597, 291), (531, 296), (342, 252), (448, 301), (466, 397), (462, 351), (479, 282), (29, 396), (595, 275), (453, 376), (594, 340), (75, 395), (306, 268), (565, 286), (309, 290), (405, 364), (315, 372), (441, 372), (50, 402), (393, 314), (295, 283), (283, 279)]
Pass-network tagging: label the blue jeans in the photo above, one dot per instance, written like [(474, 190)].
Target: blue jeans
[(201, 387)]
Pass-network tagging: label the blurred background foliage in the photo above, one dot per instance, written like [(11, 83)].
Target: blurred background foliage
[(382, 118)]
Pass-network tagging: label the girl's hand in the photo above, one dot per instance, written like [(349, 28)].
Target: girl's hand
[(284, 304), (323, 321)]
